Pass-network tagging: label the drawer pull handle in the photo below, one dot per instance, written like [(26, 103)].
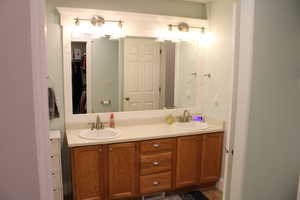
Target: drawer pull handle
[(156, 145), (156, 183), (156, 163)]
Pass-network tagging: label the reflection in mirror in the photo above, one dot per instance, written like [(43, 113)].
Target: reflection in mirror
[(79, 77), (133, 73), (104, 75)]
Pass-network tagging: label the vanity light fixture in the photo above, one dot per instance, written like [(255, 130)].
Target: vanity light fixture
[(184, 27), (182, 32), (99, 27)]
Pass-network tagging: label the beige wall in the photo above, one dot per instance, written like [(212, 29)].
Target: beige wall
[(215, 92), (218, 60), (163, 7), (272, 163)]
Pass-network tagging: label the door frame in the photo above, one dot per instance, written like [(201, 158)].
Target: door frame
[(231, 117), (242, 85), (162, 81), (40, 93)]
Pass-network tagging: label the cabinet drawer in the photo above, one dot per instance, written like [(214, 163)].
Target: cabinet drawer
[(154, 163), (57, 194), (155, 183), (55, 161), (56, 179), (154, 146), (54, 147)]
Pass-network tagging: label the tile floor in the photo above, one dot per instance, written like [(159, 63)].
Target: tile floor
[(213, 194)]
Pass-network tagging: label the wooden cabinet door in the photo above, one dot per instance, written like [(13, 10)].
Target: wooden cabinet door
[(188, 160), (87, 173), (122, 168), (211, 157)]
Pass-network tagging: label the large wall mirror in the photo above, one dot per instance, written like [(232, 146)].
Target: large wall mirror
[(130, 62), (133, 74)]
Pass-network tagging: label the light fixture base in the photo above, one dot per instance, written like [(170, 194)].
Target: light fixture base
[(97, 20), (183, 27)]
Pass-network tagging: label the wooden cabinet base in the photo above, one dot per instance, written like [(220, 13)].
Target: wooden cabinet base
[(127, 170), (155, 183)]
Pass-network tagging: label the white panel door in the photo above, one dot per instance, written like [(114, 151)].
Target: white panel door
[(141, 74)]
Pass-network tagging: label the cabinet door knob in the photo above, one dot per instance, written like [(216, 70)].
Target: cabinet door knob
[(156, 145), (100, 150), (156, 183), (156, 163), (110, 149)]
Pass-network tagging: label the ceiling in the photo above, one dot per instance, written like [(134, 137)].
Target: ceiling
[(200, 1)]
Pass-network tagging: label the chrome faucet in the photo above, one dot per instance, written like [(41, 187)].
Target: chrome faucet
[(98, 124), (186, 116)]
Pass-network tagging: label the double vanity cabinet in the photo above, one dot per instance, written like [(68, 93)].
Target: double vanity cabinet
[(122, 170)]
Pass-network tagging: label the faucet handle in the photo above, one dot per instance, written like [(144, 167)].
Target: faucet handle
[(180, 118), (93, 125), (98, 120), (102, 125)]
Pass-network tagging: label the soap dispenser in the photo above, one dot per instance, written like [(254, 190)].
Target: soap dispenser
[(112, 121)]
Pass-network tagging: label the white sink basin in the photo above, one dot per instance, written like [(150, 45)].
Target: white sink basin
[(107, 133), (191, 126)]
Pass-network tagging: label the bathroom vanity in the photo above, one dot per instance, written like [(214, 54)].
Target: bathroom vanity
[(145, 159), (137, 78)]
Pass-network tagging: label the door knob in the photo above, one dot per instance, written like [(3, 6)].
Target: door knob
[(127, 98)]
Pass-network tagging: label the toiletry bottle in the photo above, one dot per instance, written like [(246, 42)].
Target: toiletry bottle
[(112, 121), (170, 119)]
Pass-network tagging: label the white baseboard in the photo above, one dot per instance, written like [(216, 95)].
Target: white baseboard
[(220, 185)]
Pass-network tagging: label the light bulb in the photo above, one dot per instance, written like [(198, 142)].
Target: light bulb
[(76, 32), (207, 39), (97, 32)]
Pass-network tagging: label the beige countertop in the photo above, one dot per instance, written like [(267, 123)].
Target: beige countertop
[(54, 134), (140, 132)]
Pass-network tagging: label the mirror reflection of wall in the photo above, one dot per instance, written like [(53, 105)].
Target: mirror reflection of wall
[(134, 73), (188, 57), (104, 75), (169, 74)]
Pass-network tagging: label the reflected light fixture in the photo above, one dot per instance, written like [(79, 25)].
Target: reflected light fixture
[(182, 32), (98, 27)]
